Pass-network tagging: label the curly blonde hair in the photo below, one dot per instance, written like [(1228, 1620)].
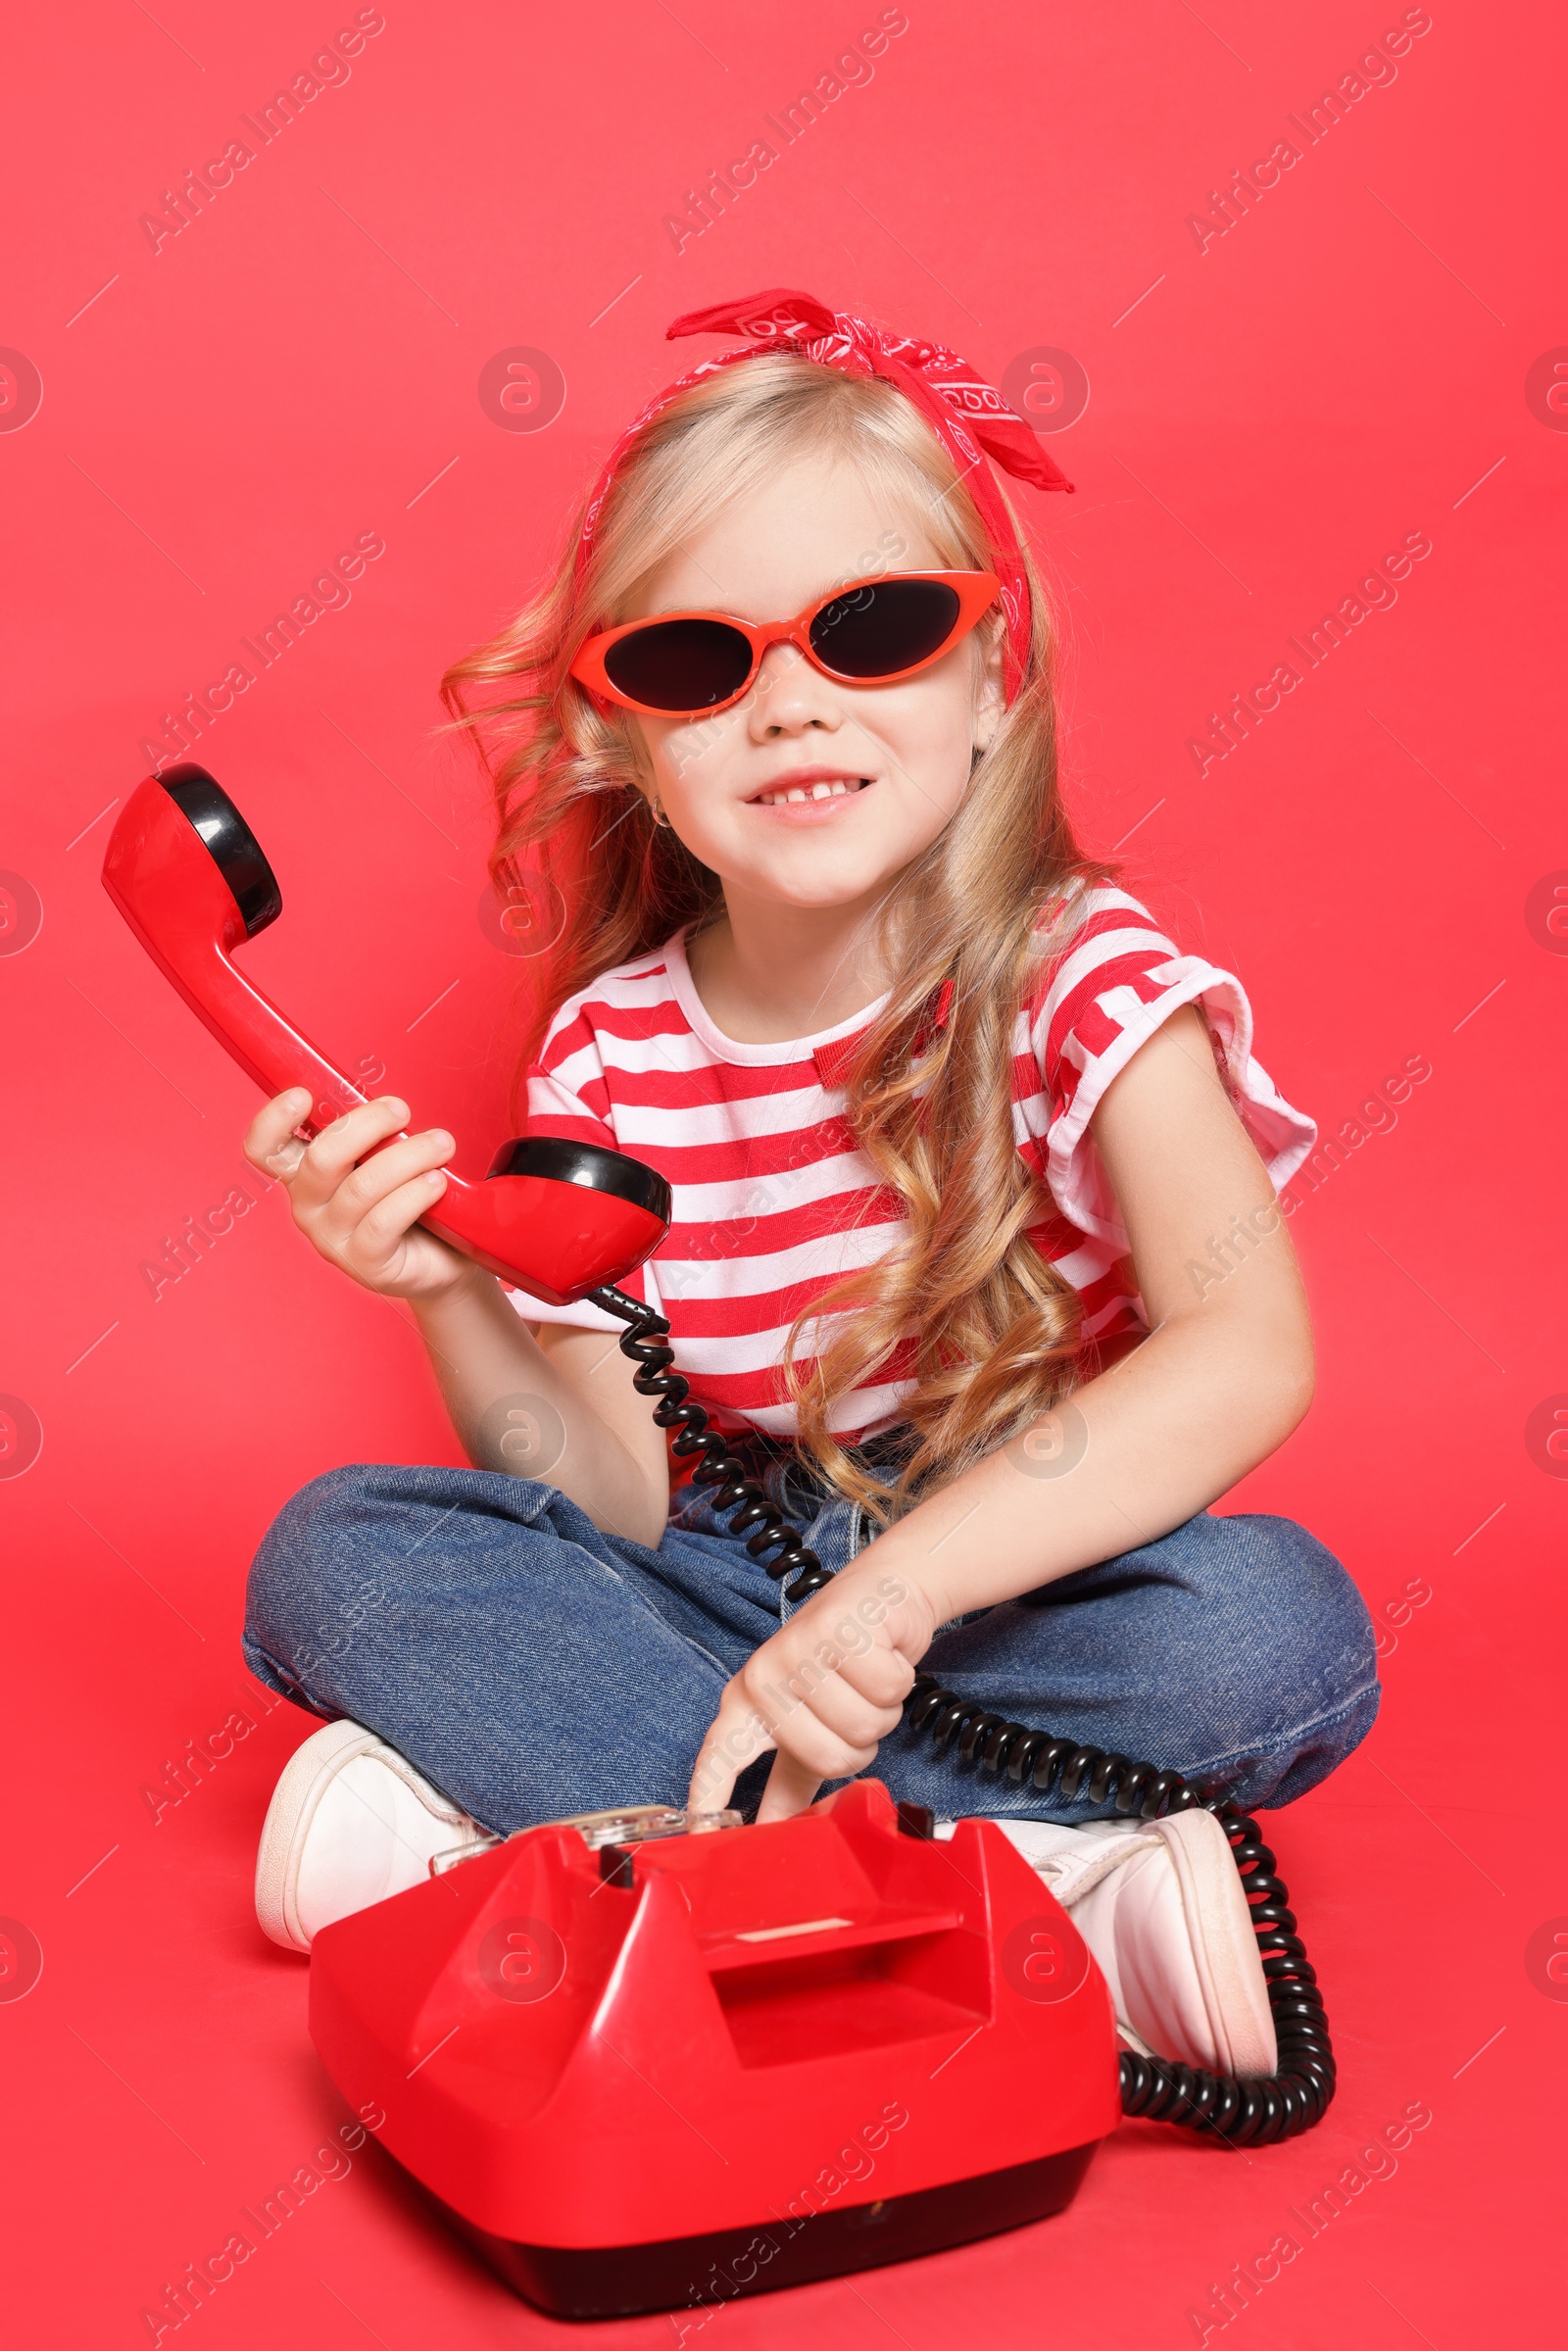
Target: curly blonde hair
[(994, 1330)]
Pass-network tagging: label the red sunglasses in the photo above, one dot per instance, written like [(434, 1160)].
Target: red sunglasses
[(872, 632)]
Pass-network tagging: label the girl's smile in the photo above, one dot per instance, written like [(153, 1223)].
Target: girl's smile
[(812, 795)]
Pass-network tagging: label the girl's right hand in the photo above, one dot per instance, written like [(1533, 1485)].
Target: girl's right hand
[(363, 1218)]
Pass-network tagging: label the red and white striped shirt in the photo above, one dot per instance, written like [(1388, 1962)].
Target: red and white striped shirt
[(772, 1198)]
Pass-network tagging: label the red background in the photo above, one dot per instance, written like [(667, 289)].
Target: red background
[(1268, 416)]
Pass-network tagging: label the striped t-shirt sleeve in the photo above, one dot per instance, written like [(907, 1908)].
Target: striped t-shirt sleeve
[(1110, 979)]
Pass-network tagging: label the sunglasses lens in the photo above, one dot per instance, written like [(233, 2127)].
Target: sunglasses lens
[(878, 631), (679, 665)]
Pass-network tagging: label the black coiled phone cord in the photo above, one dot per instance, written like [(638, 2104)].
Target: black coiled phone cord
[(716, 1465), (1245, 2110)]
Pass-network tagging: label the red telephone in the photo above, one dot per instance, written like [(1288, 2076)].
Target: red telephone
[(644, 2069), (557, 1218)]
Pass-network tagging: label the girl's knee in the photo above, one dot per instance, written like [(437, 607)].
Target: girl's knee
[(1282, 1680), (309, 1543), (340, 1559), (366, 1558), (1279, 1602), (315, 1582)]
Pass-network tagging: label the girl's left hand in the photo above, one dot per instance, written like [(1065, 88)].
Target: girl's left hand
[(824, 1692)]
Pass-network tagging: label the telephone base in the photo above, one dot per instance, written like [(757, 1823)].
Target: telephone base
[(701, 2272)]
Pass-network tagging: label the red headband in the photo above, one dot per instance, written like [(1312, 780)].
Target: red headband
[(961, 410)]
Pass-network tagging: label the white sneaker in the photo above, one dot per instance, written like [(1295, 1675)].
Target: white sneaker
[(1161, 1907), (351, 1822)]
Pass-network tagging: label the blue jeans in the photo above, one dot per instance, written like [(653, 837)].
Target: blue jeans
[(531, 1666)]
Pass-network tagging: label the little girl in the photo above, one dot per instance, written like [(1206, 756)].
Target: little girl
[(975, 1254)]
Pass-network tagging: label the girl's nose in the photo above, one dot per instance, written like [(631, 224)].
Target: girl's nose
[(789, 692)]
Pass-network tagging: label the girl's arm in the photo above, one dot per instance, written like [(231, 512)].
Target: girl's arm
[(595, 1438), (564, 1411), (1223, 1378)]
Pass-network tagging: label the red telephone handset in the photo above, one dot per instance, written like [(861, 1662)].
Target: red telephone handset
[(557, 1219)]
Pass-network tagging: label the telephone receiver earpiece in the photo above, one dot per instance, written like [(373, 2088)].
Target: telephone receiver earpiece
[(557, 1219)]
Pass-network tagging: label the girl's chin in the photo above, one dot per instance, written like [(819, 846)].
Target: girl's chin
[(787, 868)]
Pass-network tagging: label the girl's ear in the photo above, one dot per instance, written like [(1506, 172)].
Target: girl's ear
[(990, 699), (639, 760)]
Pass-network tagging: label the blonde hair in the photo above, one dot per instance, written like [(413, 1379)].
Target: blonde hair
[(995, 1329)]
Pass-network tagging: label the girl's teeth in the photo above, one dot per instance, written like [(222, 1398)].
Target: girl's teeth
[(819, 791)]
